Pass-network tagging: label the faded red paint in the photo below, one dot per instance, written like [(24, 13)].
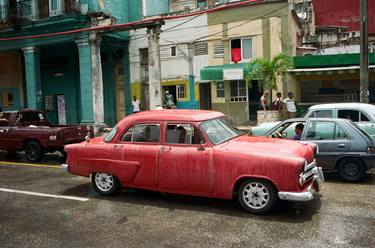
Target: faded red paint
[(202, 170), (342, 13)]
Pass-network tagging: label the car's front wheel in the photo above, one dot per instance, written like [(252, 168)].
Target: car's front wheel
[(257, 196), (351, 169), (105, 184), (34, 151)]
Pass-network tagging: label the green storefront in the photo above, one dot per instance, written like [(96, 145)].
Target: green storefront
[(330, 78)]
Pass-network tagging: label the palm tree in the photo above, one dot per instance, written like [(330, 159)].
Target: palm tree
[(268, 71)]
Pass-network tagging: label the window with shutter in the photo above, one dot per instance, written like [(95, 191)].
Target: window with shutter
[(200, 48), (219, 50), (56, 7), (3, 9)]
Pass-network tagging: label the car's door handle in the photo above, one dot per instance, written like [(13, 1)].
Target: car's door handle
[(163, 148), (3, 130), (341, 145), (201, 148)]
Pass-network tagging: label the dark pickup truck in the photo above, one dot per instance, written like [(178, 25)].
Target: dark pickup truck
[(29, 130)]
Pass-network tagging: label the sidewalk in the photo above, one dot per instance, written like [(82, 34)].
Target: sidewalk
[(245, 128)]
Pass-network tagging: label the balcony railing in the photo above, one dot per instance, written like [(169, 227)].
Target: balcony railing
[(15, 11)]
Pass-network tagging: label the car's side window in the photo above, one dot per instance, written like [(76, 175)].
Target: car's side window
[(323, 113), (183, 134), (320, 131), (364, 117), (144, 133), (349, 114), (4, 119), (339, 133), (288, 130)]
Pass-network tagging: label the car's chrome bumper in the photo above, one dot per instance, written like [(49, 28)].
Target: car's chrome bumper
[(309, 193), (64, 168)]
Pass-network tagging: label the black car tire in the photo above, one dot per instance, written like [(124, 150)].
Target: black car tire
[(34, 151), (251, 192), (105, 184), (351, 169)]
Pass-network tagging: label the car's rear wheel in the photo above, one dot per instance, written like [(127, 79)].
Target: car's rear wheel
[(105, 184), (351, 169), (257, 196), (34, 151)]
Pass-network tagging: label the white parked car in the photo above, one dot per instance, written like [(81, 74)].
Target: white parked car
[(361, 113)]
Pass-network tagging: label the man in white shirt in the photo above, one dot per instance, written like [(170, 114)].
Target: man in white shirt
[(290, 105), (136, 104)]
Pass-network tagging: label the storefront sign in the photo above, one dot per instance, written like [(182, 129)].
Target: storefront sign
[(233, 74)]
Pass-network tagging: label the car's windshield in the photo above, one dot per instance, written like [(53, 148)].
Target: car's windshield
[(219, 130), (109, 137)]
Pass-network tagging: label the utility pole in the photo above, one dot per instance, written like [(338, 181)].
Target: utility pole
[(154, 68), (191, 75), (364, 84)]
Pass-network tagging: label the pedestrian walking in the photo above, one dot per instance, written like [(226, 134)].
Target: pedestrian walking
[(290, 105), (277, 103), (136, 105), (263, 101)]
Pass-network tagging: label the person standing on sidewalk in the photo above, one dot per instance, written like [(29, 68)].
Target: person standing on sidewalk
[(136, 103), (277, 103), (290, 105), (263, 101)]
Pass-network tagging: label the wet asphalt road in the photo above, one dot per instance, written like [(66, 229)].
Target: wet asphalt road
[(343, 216)]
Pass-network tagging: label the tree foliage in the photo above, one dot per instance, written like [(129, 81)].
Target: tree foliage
[(268, 71)]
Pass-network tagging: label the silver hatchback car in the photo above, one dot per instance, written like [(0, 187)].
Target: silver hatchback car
[(343, 146)]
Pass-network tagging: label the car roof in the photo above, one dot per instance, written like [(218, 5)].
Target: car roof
[(345, 105), (173, 115), (316, 119)]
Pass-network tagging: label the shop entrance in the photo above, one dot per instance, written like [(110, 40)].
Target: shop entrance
[(205, 102), (254, 98)]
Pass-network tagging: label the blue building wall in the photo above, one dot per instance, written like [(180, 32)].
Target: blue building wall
[(156, 7)]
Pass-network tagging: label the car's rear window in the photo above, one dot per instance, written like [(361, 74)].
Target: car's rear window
[(363, 130)]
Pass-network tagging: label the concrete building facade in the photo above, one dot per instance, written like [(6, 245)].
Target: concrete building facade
[(237, 36), (183, 43)]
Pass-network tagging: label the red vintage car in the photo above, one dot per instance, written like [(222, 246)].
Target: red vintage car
[(199, 153)]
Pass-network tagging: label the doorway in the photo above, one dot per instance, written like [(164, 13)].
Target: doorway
[(172, 90), (254, 98), (120, 93), (205, 101), (55, 107)]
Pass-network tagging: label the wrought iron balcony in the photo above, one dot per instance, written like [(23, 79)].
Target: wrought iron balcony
[(17, 11)]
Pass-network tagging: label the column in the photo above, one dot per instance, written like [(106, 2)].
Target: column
[(33, 81), (91, 80), (127, 80), (154, 68)]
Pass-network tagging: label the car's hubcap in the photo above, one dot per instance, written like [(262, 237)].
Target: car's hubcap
[(255, 195), (351, 169), (31, 150), (104, 181)]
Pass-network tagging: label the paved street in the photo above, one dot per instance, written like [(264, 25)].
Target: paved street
[(344, 216)]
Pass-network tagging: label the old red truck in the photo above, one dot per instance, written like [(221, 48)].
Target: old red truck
[(29, 130)]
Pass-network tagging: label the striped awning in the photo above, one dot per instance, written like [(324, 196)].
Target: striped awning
[(329, 70)]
